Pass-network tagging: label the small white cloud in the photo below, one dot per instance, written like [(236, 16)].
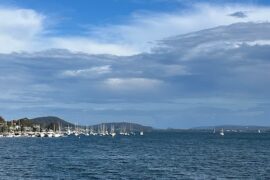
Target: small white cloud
[(258, 42), (88, 73), (134, 84), (91, 46)]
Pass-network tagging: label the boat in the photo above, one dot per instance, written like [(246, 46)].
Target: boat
[(112, 133), (86, 133), (49, 134), (41, 134), (141, 133), (58, 133), (76, 133), (10, 135), (222, 132), (124, 131), (68, 131)]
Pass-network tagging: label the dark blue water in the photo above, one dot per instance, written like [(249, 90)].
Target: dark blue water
[(153, 156)]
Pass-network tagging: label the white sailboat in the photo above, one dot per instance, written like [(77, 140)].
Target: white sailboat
[(76, 133), (222, 132), (92, 131), (86, 131), (42, 134), (112, 131), (68, 131), (58, 134)]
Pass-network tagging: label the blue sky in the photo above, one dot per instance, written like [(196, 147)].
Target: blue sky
[(73, 17), (163, 63)]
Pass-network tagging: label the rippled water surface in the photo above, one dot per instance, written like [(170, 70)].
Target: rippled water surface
[(152, 156)]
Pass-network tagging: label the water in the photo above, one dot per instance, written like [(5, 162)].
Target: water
[(152, 156)]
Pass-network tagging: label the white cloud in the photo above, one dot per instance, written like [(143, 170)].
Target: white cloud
[(134, 84), (90, 46), (90, 72), (19, 28), (258, 42), (20, 23), (25, 29)]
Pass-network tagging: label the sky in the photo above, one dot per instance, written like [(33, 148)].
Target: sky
[(162, 63)]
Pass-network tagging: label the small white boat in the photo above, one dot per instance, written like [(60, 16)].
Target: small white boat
[(222, 132), (10, 135), (42, 134), (141, 133), (68, 131), (57, 135), (112, 133)]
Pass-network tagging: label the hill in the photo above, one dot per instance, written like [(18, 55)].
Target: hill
[(50, 121), (233, 127)]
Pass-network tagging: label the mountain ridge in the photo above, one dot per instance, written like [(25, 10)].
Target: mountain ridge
[(54, 122), (232, 127)]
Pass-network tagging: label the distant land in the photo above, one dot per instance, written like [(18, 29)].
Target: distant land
[(227, 128), (234, 128), (51, 122)]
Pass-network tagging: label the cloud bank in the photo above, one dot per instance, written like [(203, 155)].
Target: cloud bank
[(220, 73), (194, 75)]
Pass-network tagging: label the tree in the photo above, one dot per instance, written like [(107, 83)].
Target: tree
[(2, 120)]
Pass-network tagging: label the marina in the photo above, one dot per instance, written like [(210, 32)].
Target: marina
[(55, 129)]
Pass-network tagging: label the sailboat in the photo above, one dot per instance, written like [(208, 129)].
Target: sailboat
[(214, 131), (112, 131), (58, 134), (76, 133), (92, 131), (86, 133), (68, 131), (222, 132)]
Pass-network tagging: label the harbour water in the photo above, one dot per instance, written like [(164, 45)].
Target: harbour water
[(163, 155)]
